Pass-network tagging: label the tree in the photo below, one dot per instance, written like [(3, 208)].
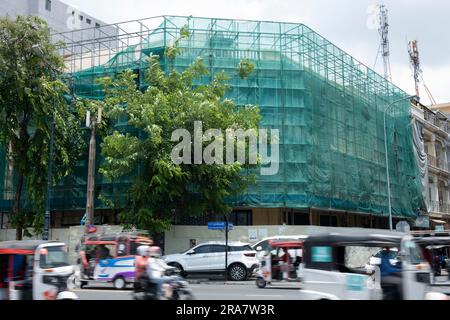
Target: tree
[(162, 190), (32, 96)]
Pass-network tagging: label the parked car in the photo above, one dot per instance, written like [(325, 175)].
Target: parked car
[(210, 258)]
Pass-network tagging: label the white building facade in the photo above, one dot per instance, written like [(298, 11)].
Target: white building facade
[(435, 130)]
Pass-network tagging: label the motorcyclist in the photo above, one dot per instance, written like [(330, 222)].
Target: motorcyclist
[(156, 268), (140, 264), (390, 275)]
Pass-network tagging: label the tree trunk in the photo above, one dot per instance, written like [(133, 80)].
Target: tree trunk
[(16, 206)]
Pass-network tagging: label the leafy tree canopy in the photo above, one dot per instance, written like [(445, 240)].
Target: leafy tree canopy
[(162, 190), (32, 96)]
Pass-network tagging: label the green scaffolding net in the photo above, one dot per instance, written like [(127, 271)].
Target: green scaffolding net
[(327, 106)]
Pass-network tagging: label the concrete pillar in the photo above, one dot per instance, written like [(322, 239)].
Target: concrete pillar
[(432, 146), (434, 194)]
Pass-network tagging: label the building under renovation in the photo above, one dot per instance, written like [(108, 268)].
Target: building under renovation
[(328, 107)]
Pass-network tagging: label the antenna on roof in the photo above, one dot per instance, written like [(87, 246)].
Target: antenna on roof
[(413, 50), (383, 29)]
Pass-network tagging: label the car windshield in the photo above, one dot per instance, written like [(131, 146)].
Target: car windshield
[(391, 254), (54, 257)]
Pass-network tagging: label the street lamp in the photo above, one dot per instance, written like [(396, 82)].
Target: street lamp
[(386, 152)]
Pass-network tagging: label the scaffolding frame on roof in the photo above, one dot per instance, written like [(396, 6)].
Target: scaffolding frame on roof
[(327, 105)]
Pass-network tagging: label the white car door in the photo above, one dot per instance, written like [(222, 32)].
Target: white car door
[(200, 260), (218, 257)]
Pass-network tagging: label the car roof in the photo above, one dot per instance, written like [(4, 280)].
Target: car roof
[(25, 244), (442, 241), (285, 237), (230, 243), (364, 239)]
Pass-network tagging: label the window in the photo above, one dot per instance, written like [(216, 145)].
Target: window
[(97, 25), (298, 219), (81, 18), (217, 249), (203, 249), (88, 21), (53, 257), (241, 218), (240, 248), (328, 221), (48, 5)]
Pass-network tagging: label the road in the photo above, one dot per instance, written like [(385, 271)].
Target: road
[(205, 291)]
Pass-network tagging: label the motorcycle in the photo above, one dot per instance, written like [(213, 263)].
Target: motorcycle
[(177, 288)]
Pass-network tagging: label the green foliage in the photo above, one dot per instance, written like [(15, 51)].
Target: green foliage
[(31, 97), (161, 190), (173, 51), (245, 68)]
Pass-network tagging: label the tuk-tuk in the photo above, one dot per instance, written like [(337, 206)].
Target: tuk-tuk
[(110, 259), (280, 263), (436, 250), (35, 270), (338, 267)]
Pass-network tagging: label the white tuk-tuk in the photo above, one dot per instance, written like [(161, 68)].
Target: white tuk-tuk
[(337, 267), (35, 270)]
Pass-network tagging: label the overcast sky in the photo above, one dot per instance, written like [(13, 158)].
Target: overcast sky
[(346, 23)]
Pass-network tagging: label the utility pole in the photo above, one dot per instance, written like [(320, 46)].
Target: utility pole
[(46, 234), (91, 124), (226, 247), (413, 50), (383, 29)]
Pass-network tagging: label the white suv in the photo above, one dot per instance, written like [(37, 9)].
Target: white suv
[(210, 258)]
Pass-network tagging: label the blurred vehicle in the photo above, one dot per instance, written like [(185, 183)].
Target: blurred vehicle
[(178, 289), (431, 246), (34, 270), (336, 267), (281, 263), (210, 258), (110, 259), (263, 245), (375, 260)]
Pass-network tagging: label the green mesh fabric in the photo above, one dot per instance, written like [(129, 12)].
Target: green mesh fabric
[(328, 107)]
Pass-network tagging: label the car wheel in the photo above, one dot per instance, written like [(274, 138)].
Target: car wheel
[(119, 283), (83, 284), (237, 272), (261, 283), (179, 268)]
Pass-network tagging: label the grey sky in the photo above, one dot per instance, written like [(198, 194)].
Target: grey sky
[(343, 22)]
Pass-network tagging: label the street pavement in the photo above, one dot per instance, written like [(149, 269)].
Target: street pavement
[(213, 290)]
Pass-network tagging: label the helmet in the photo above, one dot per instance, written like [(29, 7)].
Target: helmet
[(155, 251), (143, 251)]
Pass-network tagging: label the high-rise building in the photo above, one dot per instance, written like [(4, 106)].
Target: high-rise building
[(60, 17)]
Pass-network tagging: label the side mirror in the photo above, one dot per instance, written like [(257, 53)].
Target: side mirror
[(258, 248), (190, 252)]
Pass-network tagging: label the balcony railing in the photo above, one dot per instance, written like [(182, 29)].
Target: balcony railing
[(440, 206), (440, 123)]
